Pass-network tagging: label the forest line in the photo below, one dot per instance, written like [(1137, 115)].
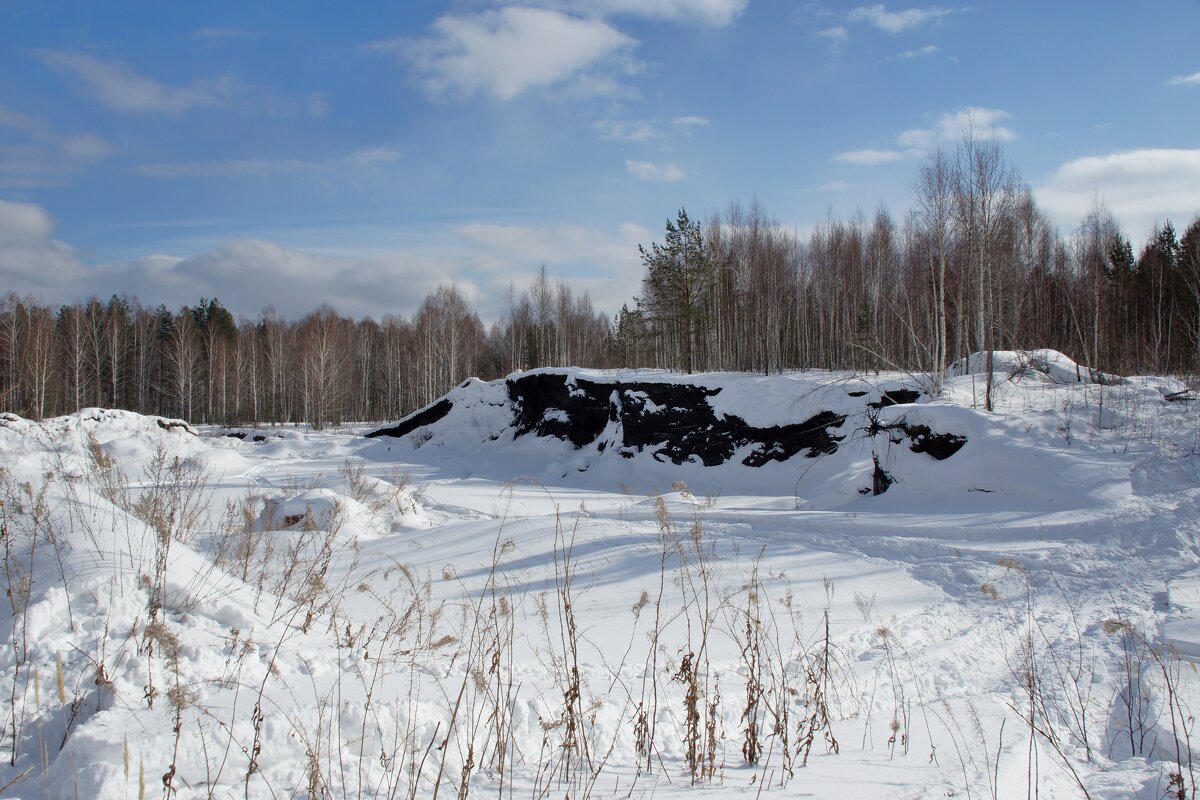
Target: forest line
[(974, 265)]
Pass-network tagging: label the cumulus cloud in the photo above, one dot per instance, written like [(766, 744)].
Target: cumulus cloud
[(603, 263), (1140, 187), (31, 263), (949, 128), (897, 21), (24, 222), (247, 274), (120, 88), (659, 173), (509, 51), (1185, 80)]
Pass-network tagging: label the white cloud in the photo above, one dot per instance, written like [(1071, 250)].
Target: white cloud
[(838, 33), (689, 122), (24, 222), (870, 158), (120, 88), (45, 157), (246, 274), (605, 264), (622, 131), (1140, 187), (85, 146), (714, 13), (717, 13), (38, 131), (949, 129), (647, 130), (897, 21), (920, 52), (233, 168), (659, 173), (31, 263), (953, 127), (509, 51), (1185, 80)]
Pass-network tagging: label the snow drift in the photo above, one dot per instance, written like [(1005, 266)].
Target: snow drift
[(813, 582)]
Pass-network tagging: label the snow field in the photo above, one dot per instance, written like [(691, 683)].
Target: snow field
[(365, 618)]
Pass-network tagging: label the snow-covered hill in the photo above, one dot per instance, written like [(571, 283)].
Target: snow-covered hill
[(582, 583)]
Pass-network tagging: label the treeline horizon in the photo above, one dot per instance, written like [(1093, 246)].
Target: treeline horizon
[(974, 266)]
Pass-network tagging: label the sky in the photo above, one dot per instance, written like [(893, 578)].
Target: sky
[(292, 154)]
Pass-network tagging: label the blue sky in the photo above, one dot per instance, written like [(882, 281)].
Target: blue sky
[(289, 154)]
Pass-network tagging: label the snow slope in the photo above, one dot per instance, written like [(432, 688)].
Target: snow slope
[(472, 610)]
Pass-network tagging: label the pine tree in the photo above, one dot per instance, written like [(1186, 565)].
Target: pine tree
[(679, 277)]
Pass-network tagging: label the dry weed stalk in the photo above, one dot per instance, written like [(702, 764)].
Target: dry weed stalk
[(819, 691), (1146, 664)]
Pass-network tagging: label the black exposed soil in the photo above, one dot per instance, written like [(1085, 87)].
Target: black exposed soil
[(923, 440), (676, 422), (895, 397), (880, 480), (426, 416), (671, 421)]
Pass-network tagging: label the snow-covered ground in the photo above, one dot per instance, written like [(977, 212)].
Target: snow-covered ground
[(457, 612)]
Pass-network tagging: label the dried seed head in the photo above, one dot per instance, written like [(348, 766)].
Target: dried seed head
[(58, 679), (641, 603)]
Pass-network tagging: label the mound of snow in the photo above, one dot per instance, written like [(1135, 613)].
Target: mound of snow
[(736, 432), (1038, 366), (710, 419)]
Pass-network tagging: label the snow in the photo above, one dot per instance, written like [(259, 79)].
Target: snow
[(324, 614)]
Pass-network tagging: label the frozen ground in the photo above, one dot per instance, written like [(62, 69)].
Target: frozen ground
[(321, 614)]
